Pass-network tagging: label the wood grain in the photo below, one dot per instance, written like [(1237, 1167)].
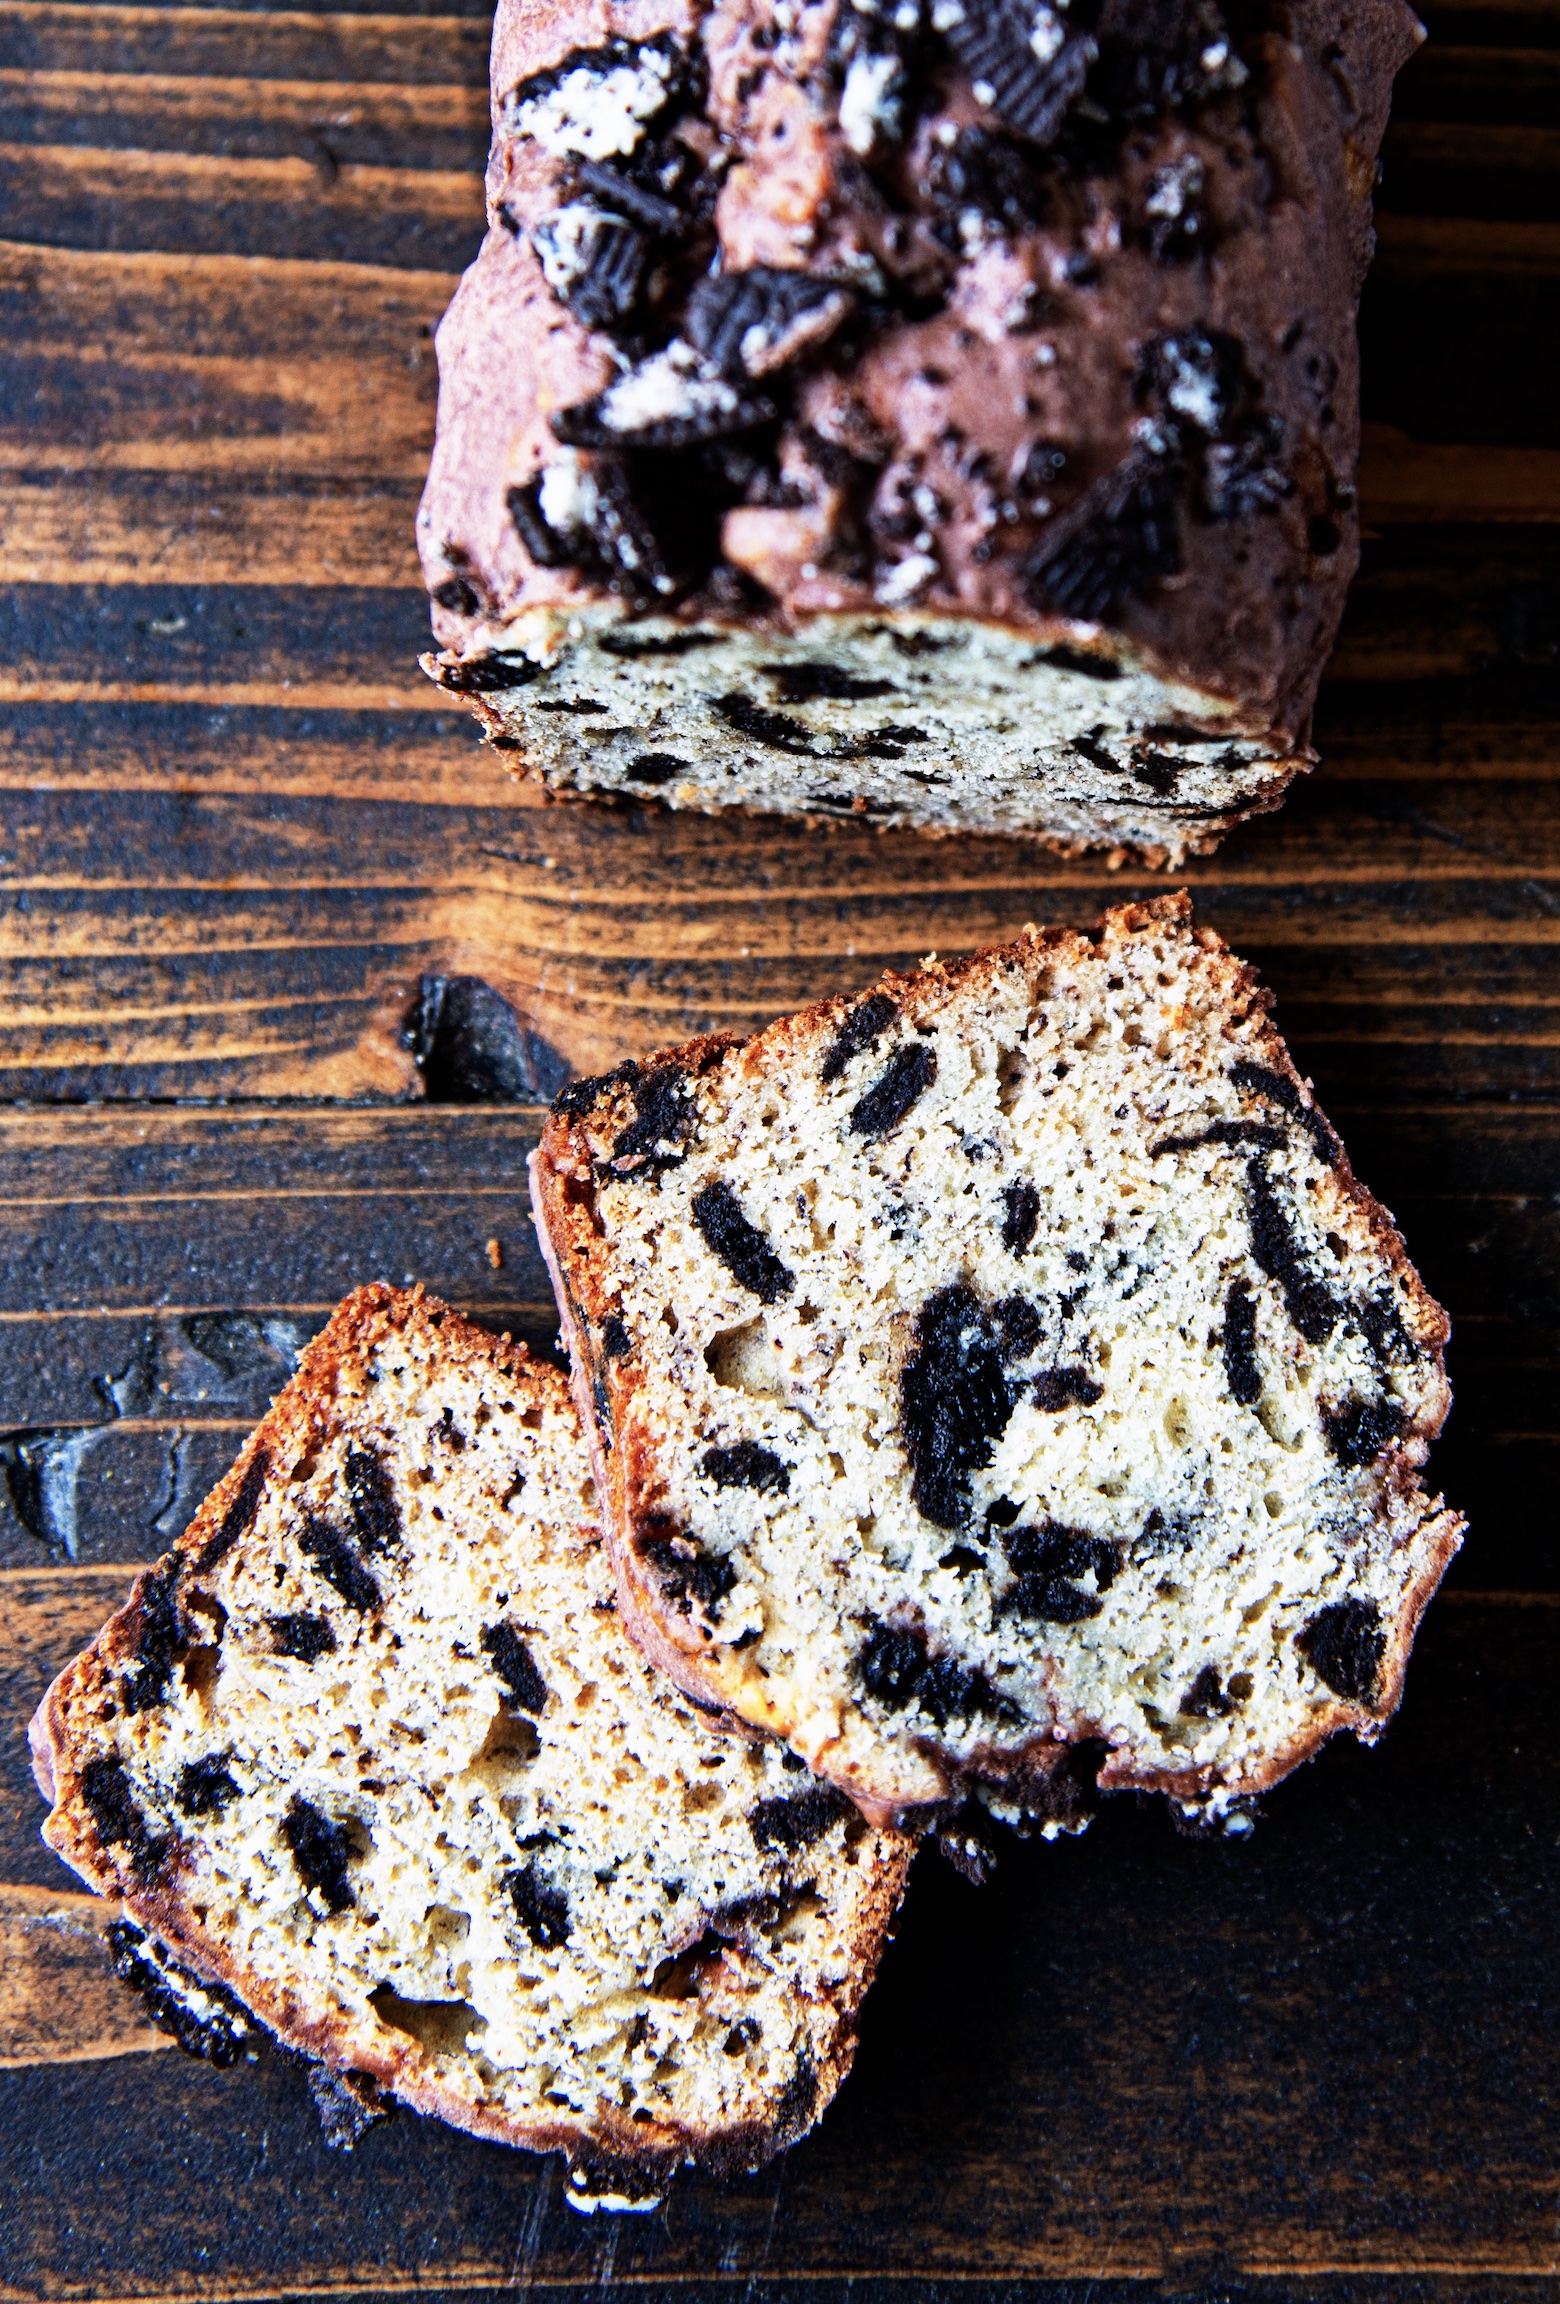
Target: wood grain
[(60, 2002)]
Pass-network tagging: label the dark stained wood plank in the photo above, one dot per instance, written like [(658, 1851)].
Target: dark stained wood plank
[(1321, 2056), (60, 2002), (47, 1613), (237, 43), (215, 364), (330, 123), (421, 219)]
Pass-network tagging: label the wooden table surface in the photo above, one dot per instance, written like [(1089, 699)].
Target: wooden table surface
[(239, 830)]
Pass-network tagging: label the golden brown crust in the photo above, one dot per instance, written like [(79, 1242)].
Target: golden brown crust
[(630, 2155), (623, 1455)]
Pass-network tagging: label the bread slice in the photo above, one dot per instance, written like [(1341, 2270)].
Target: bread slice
[(369, 1748), (1002, 1381)]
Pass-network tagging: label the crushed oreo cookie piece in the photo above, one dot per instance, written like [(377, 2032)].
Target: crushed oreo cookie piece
[(1174, 224), (862, 1028), (984, 174), (1239, 1340), (1160, 55), (306, 1637), (600, 103), (1205, 1699), (910, 1071), (338, 1562), (1344, 1645), (807, 683), (1255, 1133), (747, 1465), (583, 513), (796, 1820), (1359, 1430), (739, 1244), (491, 674), (892, 1663), (206, 1786), (776, 729), (1027, 60), (747, 324), (541, 1909), (1259, 1080), (120, 1822), (458, 594), (159, 1642), (204, 2018), (321, 1851), (1060, 1388), (955, 1402), (645, 204), (1020, 1215), (658, 1136), (593, 262), (348, 2105), (673, 399), (692, 1577), (1310, 1304), (238, 1515), (616, 1342), (657, 768), (1121, 538), (375, 1513), (513, 1664), (967, 1842), (1048, 1561)]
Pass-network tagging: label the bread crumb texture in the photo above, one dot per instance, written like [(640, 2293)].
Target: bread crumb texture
[(370, 1747), (1001, 1380)]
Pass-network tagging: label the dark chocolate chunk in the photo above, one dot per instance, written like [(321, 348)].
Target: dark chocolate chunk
[(746, 1465), (1205, 1698), (955, 1402), (1240, 1339), (115, 1811), (909, 1073), (306, 1637), (1120, 539), (1344, 1645), (1359, 1430), (616, 1342), (1003, 46), (337, 1562), (1020, 1215), (515, 1666), (796, 1820), (321, 1851), (658, 1136), (239, 1513), (861, 1029), (541, 1909), (804, 683), (1021, 1325), (488, 675), (204, 2018), (1047, 1561), (657, 768), (159, 1640), (776, 729), (1062, 1388), (691, 1576), (1310, 1305), (375, 1512), (1258, 1080), (206, 1786), (740, 1245), (747, 323), (457, 594)]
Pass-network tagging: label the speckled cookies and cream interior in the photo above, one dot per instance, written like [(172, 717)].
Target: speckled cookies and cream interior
[(371, 1748), (1021, 335), (1002, 1380)]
